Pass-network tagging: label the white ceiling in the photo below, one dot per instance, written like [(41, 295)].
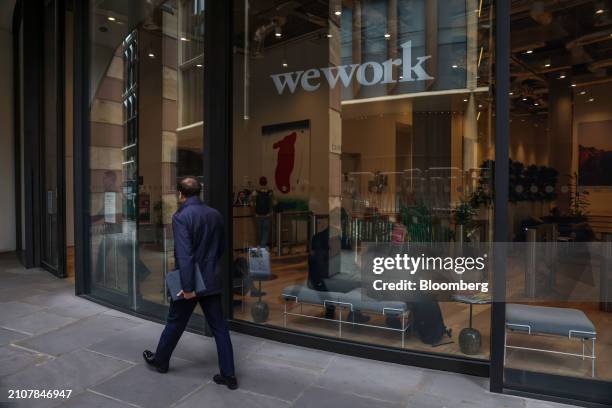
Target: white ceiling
[(6, 14)]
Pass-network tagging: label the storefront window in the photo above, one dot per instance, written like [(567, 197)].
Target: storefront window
[(146, 131), (560, 186), (359, 122)]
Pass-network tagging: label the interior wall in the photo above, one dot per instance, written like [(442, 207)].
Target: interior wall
[(267, 107), (7, 163)]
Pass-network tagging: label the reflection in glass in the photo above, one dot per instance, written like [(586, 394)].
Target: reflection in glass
[(358, 122)]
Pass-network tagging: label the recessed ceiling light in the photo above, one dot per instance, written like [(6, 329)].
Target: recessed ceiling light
[(329, 36), (199, 65), (278, 35), (455, 66), (465, 100), (582, 92), (599, 11), (480, 106), (591, 99), (547, 65), (573, 85), (562, 76), (151, 55), (529, 52), (524, 99), (184, 39), (536, 104), (387, 35), (111, 18), (337, 12), (401, 77), (511, 93), (284, 64)]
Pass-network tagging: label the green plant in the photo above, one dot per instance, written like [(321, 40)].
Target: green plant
[(464, 213)]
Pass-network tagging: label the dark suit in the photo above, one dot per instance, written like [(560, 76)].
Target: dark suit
[(198, 238)]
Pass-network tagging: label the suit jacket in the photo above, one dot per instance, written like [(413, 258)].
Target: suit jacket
[(198, 239)]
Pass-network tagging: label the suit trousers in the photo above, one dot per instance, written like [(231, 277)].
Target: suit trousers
[(178, 316)]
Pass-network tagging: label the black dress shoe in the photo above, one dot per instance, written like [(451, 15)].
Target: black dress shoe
[(149, 358), (231, 382)]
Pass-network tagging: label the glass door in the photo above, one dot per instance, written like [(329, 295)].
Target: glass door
[(52, 217)]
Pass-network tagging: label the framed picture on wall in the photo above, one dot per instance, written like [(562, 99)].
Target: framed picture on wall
[(595, 153), (286, 156)]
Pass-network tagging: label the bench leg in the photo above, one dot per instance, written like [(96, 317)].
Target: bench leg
[(505, 344), (403, 329), (593, 358), (582, 349)]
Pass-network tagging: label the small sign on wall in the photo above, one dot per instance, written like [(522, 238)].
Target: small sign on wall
[(110, 207)]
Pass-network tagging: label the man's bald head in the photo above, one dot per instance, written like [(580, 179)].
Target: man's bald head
[(189, 187)]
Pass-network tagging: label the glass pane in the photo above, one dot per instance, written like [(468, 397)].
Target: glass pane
[(356, 124), (560, 188), (146, 132)]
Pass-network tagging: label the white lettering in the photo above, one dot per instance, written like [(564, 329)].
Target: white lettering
[(367, 74), (288, 81)]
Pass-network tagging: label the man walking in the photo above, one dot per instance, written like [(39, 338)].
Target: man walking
[(198, 245)]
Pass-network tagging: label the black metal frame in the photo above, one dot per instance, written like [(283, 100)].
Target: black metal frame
[(81, 148), (60, 270), (16, 26)]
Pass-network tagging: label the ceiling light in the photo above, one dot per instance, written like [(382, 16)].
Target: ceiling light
[(480, 106), (401, 77), (573, 85), (111, 18), (277, 32), (337, 12), (547, 65), (455, 66), (582, 92), (285, 65), (529, 52), (562, 76), (524, 99), (199, 65), (591, 99), (184, 39), (536, 104), (387, 35), (599, 11), (329, 36), (151, 55), (510, 93), (465, 100)]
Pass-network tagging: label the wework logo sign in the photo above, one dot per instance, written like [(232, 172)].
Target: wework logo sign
[(367, 74)]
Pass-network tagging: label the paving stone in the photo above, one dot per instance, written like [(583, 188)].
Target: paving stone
[(76, 371), (78, 335), (274, 378), (37, 322), (16, 309), (317, 397), (385, 381), (10, 336), (13, 360), (129, 344), (92, 400), (213, 395), (147, 388), (294, 355), (79, 308)]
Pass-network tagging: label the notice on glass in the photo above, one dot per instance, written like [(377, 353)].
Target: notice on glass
[(110, 207)]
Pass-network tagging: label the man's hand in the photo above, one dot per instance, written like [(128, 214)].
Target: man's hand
[(186, 295)]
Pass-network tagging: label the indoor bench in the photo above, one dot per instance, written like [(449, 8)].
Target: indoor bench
[(351, 301), (552, 321)]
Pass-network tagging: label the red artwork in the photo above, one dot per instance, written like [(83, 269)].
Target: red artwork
[(285, 162)]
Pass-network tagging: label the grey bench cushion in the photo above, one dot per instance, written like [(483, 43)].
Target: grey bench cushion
[(354, 297), (549, 320)]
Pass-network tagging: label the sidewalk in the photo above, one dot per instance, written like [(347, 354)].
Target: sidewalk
[(51, 339)]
